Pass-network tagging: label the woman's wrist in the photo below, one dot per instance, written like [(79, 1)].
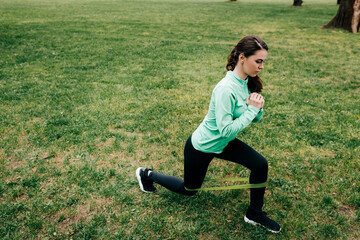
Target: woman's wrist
[(252, 107)]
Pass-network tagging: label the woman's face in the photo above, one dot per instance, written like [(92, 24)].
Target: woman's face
[(253, 64)]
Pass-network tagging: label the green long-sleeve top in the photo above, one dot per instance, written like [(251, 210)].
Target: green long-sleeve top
[(228, 114)]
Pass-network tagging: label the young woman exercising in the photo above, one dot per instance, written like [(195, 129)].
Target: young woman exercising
[(234, 104)]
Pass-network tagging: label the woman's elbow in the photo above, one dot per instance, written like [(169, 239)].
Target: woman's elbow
[(256, 120)]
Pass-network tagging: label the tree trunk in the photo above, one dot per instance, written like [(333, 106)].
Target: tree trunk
[(355, 22), (347, 16), (297, 3)]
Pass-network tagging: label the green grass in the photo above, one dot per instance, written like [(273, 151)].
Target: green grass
[(91, 90)]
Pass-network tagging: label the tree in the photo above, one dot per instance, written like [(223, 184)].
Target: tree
[(297, 3), (347, 16)]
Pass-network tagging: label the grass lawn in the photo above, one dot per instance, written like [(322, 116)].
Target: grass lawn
[(92, 89)]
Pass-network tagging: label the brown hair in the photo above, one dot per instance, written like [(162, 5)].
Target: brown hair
[(248, 46)]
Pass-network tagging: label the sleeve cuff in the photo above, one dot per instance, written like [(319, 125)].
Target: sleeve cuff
[(253, 109)]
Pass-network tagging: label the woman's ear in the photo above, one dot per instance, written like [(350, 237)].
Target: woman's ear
[(241, 58)]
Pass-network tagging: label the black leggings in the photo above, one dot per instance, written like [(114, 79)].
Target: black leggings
[(196, 164)]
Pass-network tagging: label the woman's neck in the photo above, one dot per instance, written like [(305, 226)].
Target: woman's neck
[(240, 73)]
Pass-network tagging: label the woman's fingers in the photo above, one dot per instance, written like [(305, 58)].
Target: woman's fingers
[(256, 96), (256, 100)]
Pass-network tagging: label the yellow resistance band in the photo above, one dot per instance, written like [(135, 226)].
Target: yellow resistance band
[(256, 185)]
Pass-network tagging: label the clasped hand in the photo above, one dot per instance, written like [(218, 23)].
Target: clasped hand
[(256, 100)]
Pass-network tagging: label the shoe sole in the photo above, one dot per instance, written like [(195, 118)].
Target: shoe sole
[(139, 179), (258, 224)]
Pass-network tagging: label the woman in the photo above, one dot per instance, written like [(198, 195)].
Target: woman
[(234, 104)]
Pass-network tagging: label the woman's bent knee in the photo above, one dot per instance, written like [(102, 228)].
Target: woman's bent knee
[(261, 168)]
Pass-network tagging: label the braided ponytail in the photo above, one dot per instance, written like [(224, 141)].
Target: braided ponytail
[(232, 60)]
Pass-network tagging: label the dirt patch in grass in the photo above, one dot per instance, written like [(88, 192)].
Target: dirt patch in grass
[(347, 211), (13, 164), (108, 143), (126, 133), (65, 219)]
